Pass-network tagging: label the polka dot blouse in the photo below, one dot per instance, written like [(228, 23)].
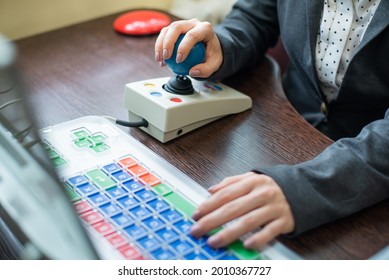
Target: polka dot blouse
[(343, 24)]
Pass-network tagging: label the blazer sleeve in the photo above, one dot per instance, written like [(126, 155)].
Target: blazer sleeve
[(351, 174), (246, 34)]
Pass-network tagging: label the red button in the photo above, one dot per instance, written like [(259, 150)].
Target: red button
[(175, 99)]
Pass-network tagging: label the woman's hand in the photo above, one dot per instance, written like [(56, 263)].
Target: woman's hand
[(256, 200), (195, 31)]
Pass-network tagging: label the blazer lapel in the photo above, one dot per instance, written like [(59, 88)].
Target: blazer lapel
[(314, 10), (379, 22)]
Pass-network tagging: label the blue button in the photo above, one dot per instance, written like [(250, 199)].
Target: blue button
[(117, 192), (158, 205), (140, 211), (98, 198), (195, 256), (145, 195), (171, 215), (122, 219), (198, 241), (167, 234), (135, 231), (183, 226), (128, 202), (163, 254), (111, 168), (181, 246), (214, 253), (121, 176), (156, 94), (110, 209), (87, 189), (153, 223), (77, 181), (133, 186), (148, 242)]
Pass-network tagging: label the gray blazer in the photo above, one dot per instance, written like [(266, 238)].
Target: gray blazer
[(353, 173)]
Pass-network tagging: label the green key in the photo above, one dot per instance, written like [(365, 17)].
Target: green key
[(83, 143), (99, 148), (72, 194), (100, 179), (52, 154), (58, 162), (81, 134), (243, 253), (97, 138), (162, 189), (46, 146), (180, 203)]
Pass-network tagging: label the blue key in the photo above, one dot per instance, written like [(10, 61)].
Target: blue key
[(163, 254), (195, 256), (145, 195), (117, 192), (183, 225), (171, 215), (111, 168), (181, 246), (149, 243), (122, 219), (87, 189), (214, 253), (140, 211), (133, 186), (153, 223), (167, 234), (198, 241), (158, 205), (228, 257), (110, 209), (77, 181), (128, 202), (98, 198), (136, 231), (121, 176)]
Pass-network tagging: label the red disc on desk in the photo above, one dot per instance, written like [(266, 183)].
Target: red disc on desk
[(142, 22)]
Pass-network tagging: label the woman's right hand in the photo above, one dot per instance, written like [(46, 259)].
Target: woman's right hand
[(195, 31)]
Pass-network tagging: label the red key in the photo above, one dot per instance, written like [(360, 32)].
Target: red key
[(150, 179)]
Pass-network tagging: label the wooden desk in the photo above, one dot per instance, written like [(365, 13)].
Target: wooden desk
[(82, 69)]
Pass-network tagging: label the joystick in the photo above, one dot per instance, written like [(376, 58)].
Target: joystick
[(173, 106)]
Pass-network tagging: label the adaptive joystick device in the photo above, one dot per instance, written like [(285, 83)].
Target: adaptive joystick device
[(173, 106)]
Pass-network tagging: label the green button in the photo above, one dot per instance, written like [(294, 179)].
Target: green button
[(162, 189), (81, 134), (52, 154), (243, 253), (46, 146), (58, 162), (72, 194), (100, 179), (99, 148), (181, 204), (83, 143), (97, 138)]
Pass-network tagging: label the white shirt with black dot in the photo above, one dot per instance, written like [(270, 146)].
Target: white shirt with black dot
[(343, 24)]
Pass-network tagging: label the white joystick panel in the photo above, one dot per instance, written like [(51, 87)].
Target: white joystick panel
[(171, 115)]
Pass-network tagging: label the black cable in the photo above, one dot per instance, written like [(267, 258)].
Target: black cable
[(141, 123)]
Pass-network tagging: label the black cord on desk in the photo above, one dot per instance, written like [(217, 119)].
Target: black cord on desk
[(141, 123)]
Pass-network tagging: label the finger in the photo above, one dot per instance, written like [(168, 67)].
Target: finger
[(270, 231), (228, 181), (223, 196), (176, 29), (158, 47)]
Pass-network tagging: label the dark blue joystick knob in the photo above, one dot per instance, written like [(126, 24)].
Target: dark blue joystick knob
[(196, 56)]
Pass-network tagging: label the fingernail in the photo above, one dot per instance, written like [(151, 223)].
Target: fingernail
[(211, 188), (179, 58), (157, 56), (196, 215), (194, 73), (248, 243), (195, 230), (165, 54), (214, 241), (162, 63)]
